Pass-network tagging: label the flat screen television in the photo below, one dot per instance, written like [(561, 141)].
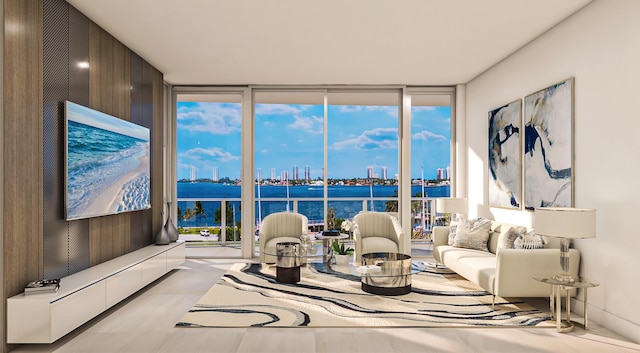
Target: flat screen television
[(107, 164)]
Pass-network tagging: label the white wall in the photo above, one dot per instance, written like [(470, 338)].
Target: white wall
[(600, 47)]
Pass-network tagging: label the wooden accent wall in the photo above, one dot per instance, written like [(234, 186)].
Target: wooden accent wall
[(22, 139), (26, 160), (157, 160), (109, 92)]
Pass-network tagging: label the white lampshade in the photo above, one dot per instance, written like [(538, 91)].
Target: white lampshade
[(451, 205), (565, 222)]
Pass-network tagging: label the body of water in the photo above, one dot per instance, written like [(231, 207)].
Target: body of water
[(314, 210)]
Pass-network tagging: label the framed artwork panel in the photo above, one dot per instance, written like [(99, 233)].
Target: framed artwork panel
[(505, 156), (548, 147)]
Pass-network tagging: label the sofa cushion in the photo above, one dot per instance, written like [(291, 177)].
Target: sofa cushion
[(473, 234), (452, 233), (529, 240), (508, 237), (475, 265)]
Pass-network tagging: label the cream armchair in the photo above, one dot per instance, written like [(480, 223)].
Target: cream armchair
[(377, 232), (280, 227)]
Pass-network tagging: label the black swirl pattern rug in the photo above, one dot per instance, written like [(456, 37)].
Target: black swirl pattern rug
[(248, 296)]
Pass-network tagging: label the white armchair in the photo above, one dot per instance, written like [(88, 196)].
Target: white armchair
[(280, 227), (377, 232)]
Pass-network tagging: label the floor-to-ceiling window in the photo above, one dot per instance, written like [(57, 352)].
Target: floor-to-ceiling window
[(431, 158), (316, 151), (289, 153), (208, 168), (362, 151)]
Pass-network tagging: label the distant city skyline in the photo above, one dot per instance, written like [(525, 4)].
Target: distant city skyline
[(289, 141), (441, 173)]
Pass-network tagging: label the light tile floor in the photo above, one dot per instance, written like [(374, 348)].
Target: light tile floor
[(145, 323)]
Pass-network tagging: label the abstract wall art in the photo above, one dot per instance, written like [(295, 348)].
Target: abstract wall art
[(505, 156), (548, 147)]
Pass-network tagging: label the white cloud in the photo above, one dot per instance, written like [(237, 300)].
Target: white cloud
[(380, 138), (427, 136), (277, 109), (423, 109), (213, 153), (350, 108), (217, 119), (311, 125), (391, 111)]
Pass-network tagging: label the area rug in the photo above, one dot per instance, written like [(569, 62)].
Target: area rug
[(248, 296)]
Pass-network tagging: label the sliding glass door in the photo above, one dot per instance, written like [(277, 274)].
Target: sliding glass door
[(208, 168)]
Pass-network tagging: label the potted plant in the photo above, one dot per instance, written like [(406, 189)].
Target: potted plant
[(341, 253)]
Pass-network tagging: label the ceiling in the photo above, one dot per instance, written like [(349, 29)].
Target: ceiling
[(305, 42)]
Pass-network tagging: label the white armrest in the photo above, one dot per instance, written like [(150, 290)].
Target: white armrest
[(515, 269), (440, 236)]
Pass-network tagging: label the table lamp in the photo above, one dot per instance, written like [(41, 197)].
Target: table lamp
[(565, 223), (452, 205)]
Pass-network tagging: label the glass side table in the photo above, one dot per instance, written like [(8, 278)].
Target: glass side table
[(555, 305), (327, 242)]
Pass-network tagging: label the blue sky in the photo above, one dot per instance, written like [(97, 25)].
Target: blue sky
[(289, 135), (88, 116)]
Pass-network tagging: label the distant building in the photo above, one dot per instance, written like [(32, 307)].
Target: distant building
[(448, 176), (192, 175), (259, 174), (440, 173), (307, 173), (369, 172), (273, 173), (296, 176), (284, 175), (215, 174), (383, 172)]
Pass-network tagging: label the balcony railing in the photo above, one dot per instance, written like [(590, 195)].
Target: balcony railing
[(423, 219)]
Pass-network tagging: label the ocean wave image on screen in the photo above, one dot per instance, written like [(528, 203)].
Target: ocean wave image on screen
[(107, 172)]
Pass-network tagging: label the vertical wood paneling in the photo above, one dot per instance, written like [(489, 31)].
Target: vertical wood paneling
[(157, 175), (78, 230), (22, 130), (109, 92), (141, 220), (55, 85)]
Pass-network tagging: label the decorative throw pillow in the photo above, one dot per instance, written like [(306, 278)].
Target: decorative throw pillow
[(507, 239), (529, 240), (452, 233), (473, 234)]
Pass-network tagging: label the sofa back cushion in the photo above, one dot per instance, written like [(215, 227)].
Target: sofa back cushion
[(499, 228), (473, 234)]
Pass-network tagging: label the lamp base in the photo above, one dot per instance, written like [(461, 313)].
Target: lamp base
[(565, 277), (564, 262)]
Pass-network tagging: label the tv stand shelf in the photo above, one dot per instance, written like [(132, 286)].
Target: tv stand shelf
[(46, 317)]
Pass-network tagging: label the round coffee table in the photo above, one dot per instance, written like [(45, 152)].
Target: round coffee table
[(393, 277), (289, 257)]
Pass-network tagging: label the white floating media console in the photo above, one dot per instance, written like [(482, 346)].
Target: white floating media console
[(44, 318)]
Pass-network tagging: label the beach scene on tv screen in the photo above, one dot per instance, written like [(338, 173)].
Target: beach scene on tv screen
[(107, 164)]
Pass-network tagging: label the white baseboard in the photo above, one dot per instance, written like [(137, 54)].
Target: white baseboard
[(618, 325)]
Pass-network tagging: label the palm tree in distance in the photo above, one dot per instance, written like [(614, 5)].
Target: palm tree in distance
[(188, 214), (416, 206), (198, 209)]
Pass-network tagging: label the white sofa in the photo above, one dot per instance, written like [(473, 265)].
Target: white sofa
[(503, 272)]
